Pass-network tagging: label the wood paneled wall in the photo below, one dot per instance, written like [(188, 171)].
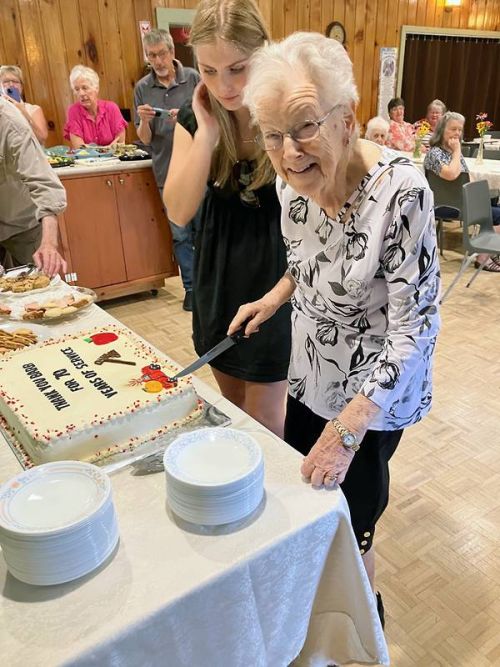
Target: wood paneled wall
[(48, 37)]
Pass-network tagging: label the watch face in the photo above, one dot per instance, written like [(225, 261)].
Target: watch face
[(336, 31), (349, 439)]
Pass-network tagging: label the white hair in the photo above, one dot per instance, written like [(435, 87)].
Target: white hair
[(376, 123), (82, 72), (322, 60)]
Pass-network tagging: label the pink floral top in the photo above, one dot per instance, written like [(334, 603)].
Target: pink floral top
[(102, 131), (401, 136)]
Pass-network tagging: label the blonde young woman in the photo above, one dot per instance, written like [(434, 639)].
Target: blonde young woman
[(239, 250), (11, 76)]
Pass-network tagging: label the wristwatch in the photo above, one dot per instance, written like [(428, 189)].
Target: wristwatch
[(348, 438)]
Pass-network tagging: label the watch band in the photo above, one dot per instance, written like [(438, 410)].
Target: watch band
[(348, 438)]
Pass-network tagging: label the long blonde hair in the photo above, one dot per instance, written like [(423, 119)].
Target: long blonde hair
[(241, 23)]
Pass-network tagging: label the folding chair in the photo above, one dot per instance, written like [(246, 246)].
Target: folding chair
[(447, 200), (476, 212)]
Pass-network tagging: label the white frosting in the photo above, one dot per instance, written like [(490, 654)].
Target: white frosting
[(61, 405)]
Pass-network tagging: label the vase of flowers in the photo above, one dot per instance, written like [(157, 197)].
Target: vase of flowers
[(482, 126), (422, 128)]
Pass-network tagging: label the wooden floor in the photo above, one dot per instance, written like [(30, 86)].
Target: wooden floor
[(438, 542)]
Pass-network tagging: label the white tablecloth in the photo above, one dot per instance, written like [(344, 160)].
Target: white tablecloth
[(288, 580), (488, 171)]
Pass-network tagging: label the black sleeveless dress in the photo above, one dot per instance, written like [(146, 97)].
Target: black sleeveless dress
[(239, 256)]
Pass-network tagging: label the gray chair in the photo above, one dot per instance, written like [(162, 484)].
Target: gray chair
[(491, 154), (495, 134), (447, 200), (469, 149), (476, 212)]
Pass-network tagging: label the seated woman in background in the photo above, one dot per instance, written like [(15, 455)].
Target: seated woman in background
[(401, 134), (435, 112), (11, 76), (446, 160), (377, 130), (91, 120)]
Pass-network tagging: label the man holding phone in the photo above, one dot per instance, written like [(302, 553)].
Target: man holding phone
[(31, 196), (157, 99)]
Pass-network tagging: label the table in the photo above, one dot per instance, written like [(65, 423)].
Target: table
[(488, 171), (285, 581)]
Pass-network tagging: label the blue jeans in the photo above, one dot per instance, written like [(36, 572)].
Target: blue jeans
[(183, 239)]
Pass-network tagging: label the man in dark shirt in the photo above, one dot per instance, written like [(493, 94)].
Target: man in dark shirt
[(167, 86)]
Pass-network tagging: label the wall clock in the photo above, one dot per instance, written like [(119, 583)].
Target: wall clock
[(336, 31)]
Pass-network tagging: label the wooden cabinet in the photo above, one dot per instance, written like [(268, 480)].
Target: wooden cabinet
[(115, 234)]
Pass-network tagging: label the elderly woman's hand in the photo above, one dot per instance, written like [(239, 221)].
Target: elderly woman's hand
[(255, 312), (455, 145), (328, 461)]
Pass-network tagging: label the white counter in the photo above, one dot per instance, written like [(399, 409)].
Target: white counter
[(101, 166)]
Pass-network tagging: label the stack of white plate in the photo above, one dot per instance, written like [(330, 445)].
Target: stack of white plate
[(214, 476), (57, 522)]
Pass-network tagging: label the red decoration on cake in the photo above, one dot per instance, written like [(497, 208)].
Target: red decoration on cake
[(154, 379), (101, 338)]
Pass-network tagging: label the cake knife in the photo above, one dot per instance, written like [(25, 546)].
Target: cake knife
[(221, 347)]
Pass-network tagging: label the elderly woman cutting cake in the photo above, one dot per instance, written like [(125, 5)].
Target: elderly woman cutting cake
[(362, 275)]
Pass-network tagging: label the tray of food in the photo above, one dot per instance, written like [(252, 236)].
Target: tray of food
[(57, 161), (25, 279), (59, 305), (15, 336)]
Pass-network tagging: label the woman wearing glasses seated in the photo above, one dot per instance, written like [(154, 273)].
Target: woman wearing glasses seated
[(362, 275), (239, 251), (445, 159)]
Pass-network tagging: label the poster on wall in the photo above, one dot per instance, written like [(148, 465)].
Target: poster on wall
[(386, 79), (144, 28)]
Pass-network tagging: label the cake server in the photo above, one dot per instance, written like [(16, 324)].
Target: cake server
[(221, 347)]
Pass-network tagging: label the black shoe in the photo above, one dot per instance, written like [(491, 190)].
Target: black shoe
[(188, 301), (380, 609)]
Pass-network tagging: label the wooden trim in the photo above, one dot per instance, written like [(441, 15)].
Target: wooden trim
[(133, 287)]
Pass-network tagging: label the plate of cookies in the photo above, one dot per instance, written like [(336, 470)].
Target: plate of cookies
[(15, 336), (59, 305), (20, 282)]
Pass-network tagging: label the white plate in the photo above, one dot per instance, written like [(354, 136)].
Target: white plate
[(52, 497), (42, 333), (54, 282), (212, 457), (63, 290)]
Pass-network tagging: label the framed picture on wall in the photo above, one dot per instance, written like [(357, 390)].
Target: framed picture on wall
[(178, 23)]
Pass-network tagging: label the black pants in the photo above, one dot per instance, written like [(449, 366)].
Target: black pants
[(366, 486)]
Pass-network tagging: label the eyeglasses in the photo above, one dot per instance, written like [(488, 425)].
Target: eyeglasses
[(161, 54), (302, 133)]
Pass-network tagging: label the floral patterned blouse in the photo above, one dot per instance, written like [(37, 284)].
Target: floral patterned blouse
[(437, 157), (365, 310), (401, 136)]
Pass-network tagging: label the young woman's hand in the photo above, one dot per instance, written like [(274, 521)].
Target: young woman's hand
[(207, 123)]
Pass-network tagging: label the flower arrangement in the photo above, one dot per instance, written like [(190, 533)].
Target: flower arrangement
[(422, 127), (483, 125)]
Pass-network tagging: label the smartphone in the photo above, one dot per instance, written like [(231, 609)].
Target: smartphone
[(14, 93), (162, 113)]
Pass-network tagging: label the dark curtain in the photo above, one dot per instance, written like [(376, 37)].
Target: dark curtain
[(463, 72)]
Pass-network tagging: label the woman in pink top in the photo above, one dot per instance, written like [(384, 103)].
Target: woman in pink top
[(90, 120), (401, 134)]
